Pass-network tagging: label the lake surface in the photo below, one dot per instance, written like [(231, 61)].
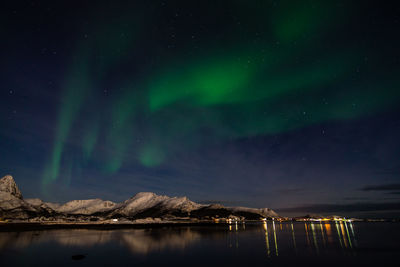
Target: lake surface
[(257, 244)]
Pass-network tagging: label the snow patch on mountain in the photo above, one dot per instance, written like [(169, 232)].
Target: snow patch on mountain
[(87, 206)]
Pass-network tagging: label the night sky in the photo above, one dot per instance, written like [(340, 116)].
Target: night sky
[(291, 105)]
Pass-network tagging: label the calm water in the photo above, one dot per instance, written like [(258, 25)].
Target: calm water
[(258, 244)]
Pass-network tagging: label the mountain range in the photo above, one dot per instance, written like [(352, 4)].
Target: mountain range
[(141, 206)]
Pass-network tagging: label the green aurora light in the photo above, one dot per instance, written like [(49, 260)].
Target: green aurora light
[(239, 91)]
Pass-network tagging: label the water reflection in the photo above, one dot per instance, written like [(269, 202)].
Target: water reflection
[(294, 238), (314, 237), (278, 237), (317, 236), (308, 239), (322, 233), (265, 225), (339, 235), (268, 243), (276, 243), (138, 241)]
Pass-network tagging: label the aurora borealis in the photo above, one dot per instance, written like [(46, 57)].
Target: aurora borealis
[(277, 104)]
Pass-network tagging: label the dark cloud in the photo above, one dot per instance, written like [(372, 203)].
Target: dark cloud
[(387, 171), (393, 193), (384, 187), (292, 191), (355, 198), (354, 207)]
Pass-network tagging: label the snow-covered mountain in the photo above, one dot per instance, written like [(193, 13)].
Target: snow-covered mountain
[(142, 205), (146, 201), (87, 206)]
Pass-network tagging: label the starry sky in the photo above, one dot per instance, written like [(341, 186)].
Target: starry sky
[(292, 105)]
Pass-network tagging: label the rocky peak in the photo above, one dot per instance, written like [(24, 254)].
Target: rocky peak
[(8, 185)]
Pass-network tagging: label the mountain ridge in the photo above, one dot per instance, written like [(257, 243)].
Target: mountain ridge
[(140, 206)]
